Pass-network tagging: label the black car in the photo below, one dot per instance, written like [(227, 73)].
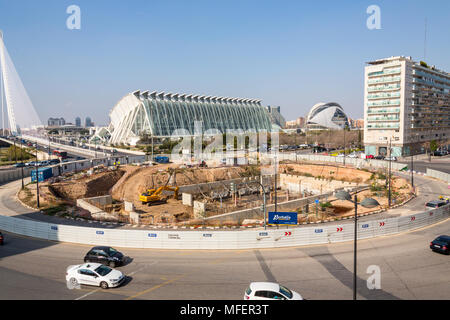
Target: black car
[(1, 239), (441, 244), (379, 157), (105, 255), (54, 161)]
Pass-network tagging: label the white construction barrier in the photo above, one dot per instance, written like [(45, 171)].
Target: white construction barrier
[(212, 239)]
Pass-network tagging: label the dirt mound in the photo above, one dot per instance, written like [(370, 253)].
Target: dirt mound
[(327, 171), (95, 185), (138, 180)]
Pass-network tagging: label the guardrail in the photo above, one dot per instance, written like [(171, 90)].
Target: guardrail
[(210, 239)]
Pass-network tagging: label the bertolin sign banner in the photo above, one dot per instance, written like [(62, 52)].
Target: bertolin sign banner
[(282, 217)]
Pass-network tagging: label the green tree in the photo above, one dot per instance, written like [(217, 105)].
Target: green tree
[(433, 145)]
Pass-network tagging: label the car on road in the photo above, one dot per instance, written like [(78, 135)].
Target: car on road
[(1, 239), (19, 164), (105, 255), (390, 158), (379, 157), (439, 153), (435, 204), (441, 244), (54, 161), (94, 274), (270, 291)]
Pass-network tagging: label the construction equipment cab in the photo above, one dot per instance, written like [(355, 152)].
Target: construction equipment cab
[(155, 196)]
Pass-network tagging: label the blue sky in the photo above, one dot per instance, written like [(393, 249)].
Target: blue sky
[(287, 53)]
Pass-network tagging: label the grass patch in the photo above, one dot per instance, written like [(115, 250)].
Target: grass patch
[(52, 210)]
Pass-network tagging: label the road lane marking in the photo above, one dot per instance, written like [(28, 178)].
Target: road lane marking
[(87, 294), (155, 287)]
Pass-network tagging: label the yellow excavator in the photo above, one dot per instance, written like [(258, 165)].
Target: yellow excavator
[(155, 196)]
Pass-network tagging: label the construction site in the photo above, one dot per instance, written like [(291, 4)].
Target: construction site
[(174, 195)]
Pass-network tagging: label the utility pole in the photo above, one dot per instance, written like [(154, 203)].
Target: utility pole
[(355, 248), (412, 172), (21, 157), (153, 133), (344, 144), (15, 153), (390, 160), (37, 178)]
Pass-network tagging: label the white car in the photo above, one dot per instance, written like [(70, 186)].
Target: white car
[(270, 291), (93, 274)]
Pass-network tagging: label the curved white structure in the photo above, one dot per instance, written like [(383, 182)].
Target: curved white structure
[(173, 114), (21, 113), (324, 116)]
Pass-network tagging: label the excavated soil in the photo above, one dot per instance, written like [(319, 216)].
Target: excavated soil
[(327, 171), (97, 184), (137, 180)]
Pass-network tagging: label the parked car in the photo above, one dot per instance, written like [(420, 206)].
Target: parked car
[(435, 204), (370, 156), (439, 153), (390, 158), (94, 274), (54, 161), (19, 165), (270, 291), (379, 157), (105, 255), (2, 239), (441, 244)]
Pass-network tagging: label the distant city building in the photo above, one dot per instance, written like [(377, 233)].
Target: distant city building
[(298, 123), (78, 121), (359, 124), (275, 116), (406, 103), (88, 122), (56, 122), (324, 116)]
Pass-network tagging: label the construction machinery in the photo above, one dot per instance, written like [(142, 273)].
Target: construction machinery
[(155, 196)]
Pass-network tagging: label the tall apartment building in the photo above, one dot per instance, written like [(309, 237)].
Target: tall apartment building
[(406, 103)]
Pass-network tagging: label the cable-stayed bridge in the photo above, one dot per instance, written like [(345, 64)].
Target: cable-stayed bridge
[(19, 114)]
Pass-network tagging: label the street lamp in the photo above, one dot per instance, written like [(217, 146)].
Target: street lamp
[(37, 178), (367, 203), (21, 157)]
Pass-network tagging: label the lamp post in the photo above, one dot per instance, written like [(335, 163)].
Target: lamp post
[(344, 143), (21, 157), (367, 203), (412, 171), (37, 178), (390, 160)]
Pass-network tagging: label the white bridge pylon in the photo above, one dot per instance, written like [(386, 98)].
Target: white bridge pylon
[(21, 113)]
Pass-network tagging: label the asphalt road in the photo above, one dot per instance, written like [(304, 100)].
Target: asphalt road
[(35, 269), (437, 163)]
